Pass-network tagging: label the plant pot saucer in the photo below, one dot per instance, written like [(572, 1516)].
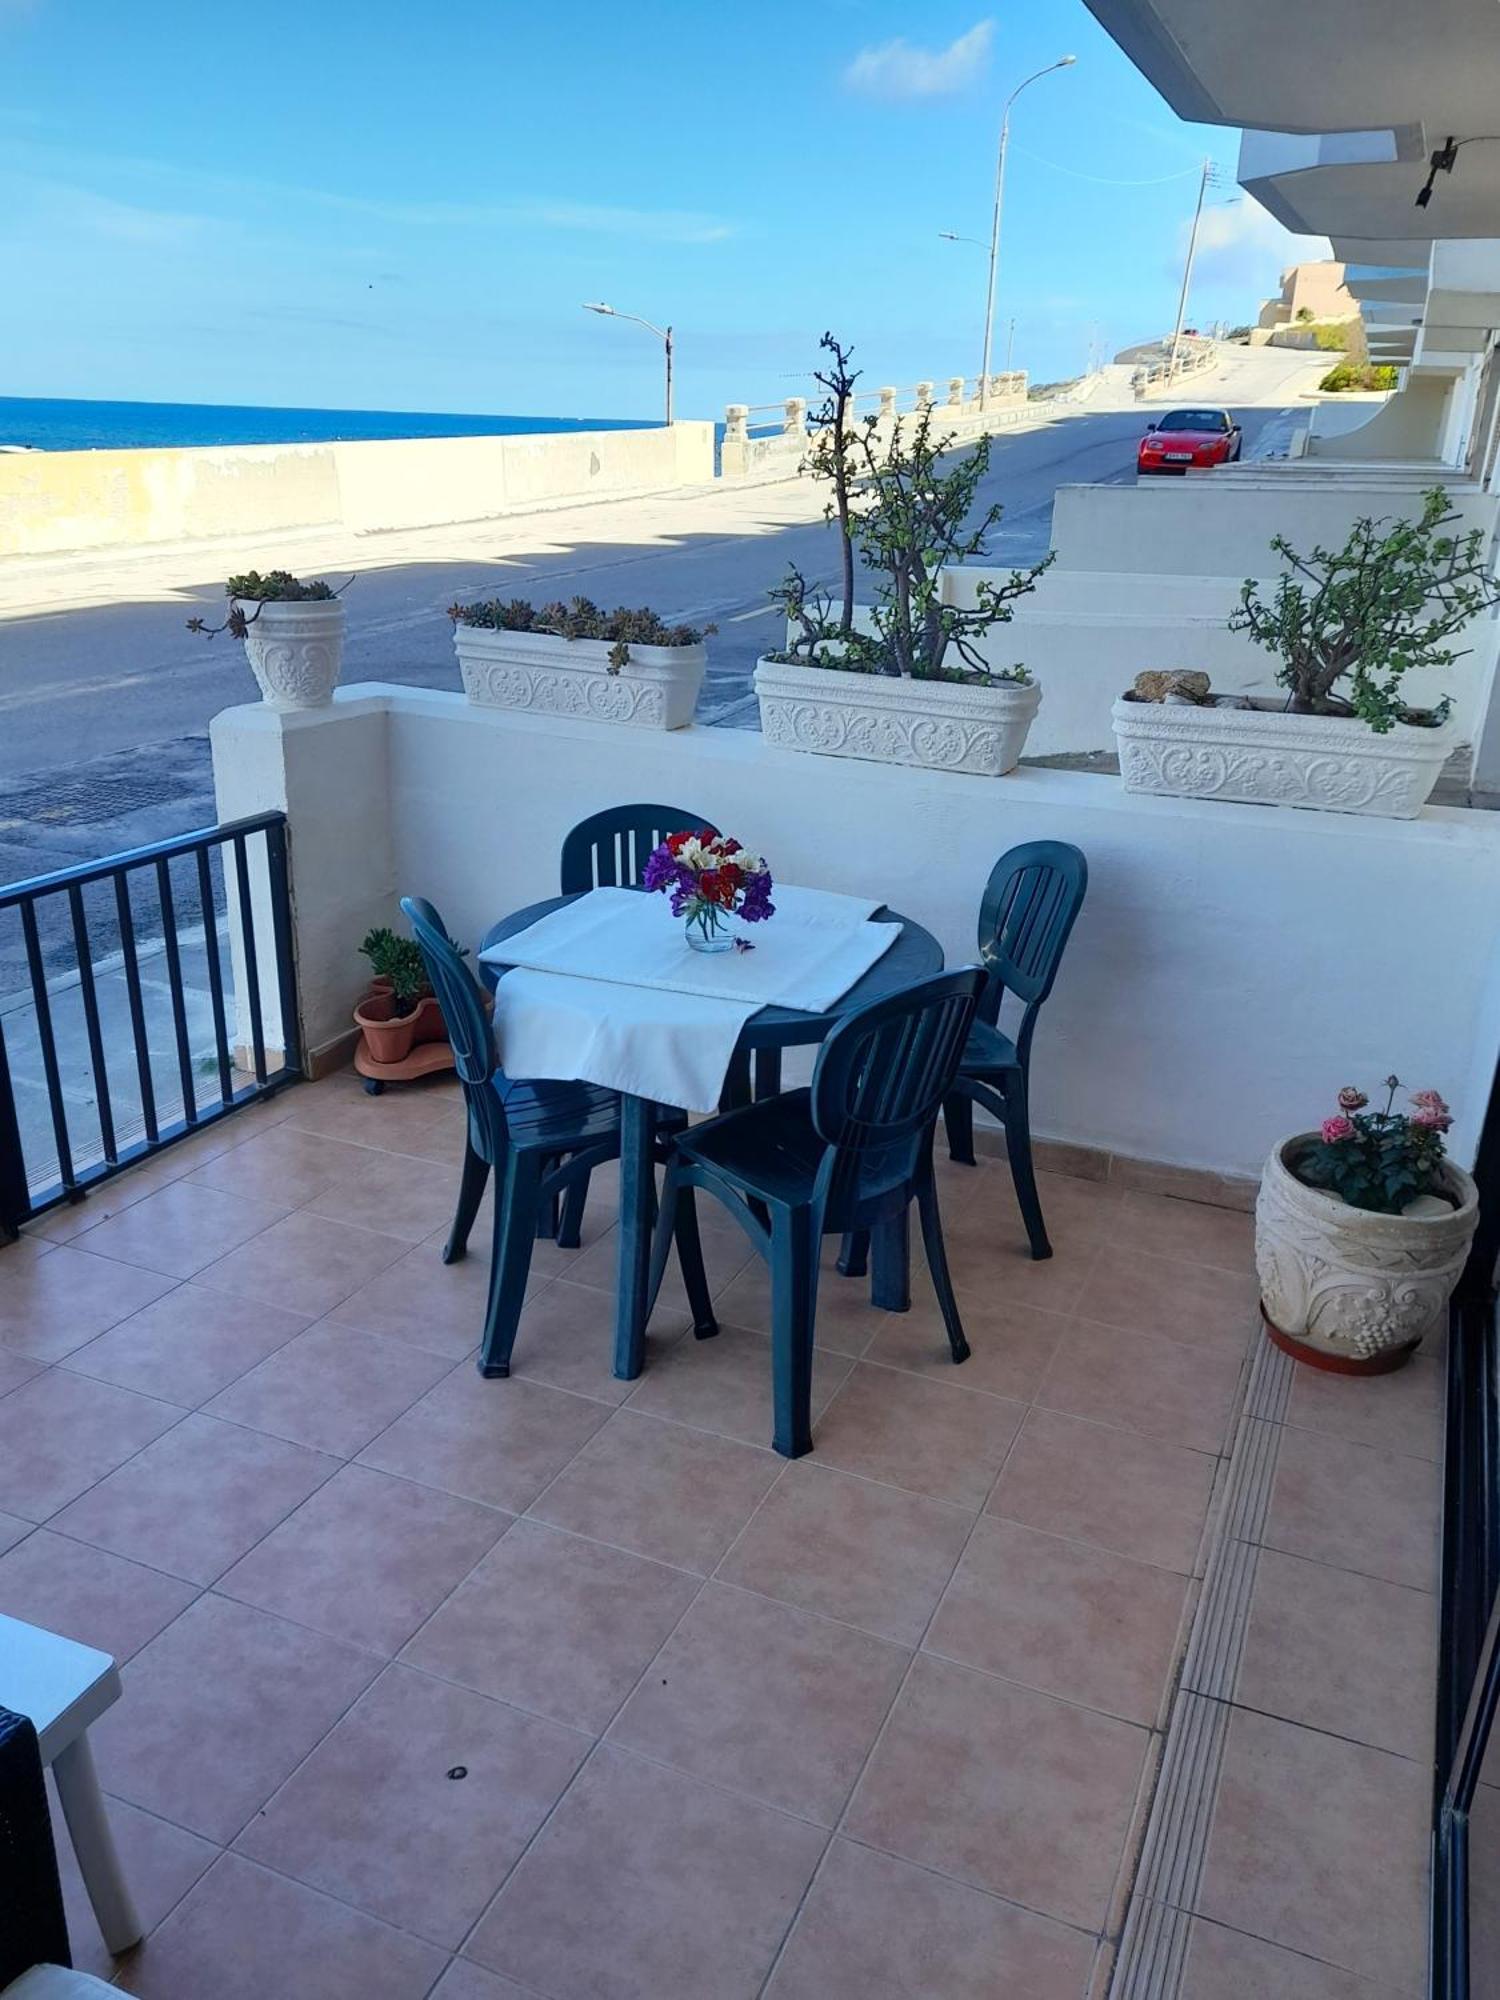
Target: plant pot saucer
[(426, 1059), (1313, 1356)]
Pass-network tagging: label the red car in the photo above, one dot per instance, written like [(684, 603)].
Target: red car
[(1189, 437)]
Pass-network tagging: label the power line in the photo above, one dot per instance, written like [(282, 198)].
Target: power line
[(1108, 180)]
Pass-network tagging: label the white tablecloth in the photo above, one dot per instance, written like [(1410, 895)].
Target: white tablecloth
[(607, 990)]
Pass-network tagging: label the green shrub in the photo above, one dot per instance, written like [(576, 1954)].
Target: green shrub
[(1359, 375)]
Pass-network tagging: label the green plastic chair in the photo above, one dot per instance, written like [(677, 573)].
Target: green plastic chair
[(849, 1155)]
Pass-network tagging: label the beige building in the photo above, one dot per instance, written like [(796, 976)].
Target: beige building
[(1316, 290)]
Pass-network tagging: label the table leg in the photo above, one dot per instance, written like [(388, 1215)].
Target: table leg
[(94, 1845), (637, 1213)]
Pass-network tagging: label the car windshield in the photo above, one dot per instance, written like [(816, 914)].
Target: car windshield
[(1194, 420)]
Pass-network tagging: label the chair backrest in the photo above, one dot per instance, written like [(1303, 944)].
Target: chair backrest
[(463, 1012), (610, 849), (879, 1082), (1030, 902)]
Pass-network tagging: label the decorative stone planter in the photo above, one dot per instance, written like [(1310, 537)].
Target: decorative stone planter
[(657, 688), (1349, 1290), (1263, 756), (295, 650), (937, 725)]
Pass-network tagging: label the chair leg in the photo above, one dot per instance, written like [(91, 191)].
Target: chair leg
[(937, 1264), (677, 1223), (690, 1257), (1018, 1152), (854, 1254), (767, 1074), (958, 1121), (549, 1219), (890, 1280), (476, 1172), (570, 1221), (518, 1201), (794, 1296)]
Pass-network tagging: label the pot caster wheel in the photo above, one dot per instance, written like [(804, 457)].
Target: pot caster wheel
[(374, 1086)]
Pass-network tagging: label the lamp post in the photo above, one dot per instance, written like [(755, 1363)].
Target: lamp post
[(663, 334), (1063, 62)]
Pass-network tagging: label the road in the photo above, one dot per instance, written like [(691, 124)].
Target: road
[(105, 698)]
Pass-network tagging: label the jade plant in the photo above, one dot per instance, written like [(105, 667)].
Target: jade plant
[(398, 959), (1362, 617), (580, 618), (277, 586), (907, 505)]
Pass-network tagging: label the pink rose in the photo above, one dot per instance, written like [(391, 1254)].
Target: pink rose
[(1337, 1129), (1430, 1100), (1351, 1099), (1428, 1119)]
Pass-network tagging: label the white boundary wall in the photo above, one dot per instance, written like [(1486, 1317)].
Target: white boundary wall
[(52, 502), (1232, 967)]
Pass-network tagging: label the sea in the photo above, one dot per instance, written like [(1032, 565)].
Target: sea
[(64, 424)]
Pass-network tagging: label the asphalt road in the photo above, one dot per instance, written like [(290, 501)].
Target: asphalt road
[(104, 708)]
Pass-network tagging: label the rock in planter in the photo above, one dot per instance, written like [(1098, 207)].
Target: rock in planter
[(1261, 755), (1345, 1288), (937, 725), (657, 688), (295, 649)]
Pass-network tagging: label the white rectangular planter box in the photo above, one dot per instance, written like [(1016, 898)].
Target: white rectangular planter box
[(937, 725), (1263, 756), (657, 688)]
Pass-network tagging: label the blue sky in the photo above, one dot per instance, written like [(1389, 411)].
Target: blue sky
[(400, 207)]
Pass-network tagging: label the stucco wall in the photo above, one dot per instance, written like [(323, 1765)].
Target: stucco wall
[(51, 502), (1232, 967)]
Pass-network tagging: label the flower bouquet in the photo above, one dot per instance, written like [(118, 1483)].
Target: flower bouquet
[(711, 880)]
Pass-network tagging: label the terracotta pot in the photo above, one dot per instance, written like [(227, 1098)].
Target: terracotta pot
[(1344, 1288), (389, 1036)]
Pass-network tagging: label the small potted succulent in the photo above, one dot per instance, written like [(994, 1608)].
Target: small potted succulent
[(398, 1009), (293, 633), (1361, 1231), (903, 681), (575, 659), (1346, 625)]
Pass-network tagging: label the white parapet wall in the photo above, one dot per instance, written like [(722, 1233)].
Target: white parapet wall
[(1232, 967), (54, 502)]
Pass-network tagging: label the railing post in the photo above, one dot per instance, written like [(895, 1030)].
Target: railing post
[(15, 1199), (293, 1050), (887, 405), (794, 422), (956, 387), (733, 451), (924, 395)]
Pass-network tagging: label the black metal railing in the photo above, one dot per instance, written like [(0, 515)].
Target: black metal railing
[(121, 1030)]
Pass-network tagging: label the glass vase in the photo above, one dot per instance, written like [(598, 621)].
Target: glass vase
[(709, 928)]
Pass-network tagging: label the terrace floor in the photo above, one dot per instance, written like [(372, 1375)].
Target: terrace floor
[(569, 1687)]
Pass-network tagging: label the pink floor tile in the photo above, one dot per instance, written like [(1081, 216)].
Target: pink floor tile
[(245, 1934), (378, 1818)]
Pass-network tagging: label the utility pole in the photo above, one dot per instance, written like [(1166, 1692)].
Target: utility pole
[(1010, 342), (1187, 269)]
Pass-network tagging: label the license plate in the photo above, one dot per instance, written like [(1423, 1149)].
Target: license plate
[(1179, 457)]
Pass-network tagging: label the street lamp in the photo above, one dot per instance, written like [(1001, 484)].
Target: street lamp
[(1063, 62), (663, 334)]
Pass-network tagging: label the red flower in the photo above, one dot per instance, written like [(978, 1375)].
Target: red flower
[(677, 841)]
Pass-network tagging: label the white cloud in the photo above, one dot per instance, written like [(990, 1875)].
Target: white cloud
[(898, 69), (1243, 247)]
